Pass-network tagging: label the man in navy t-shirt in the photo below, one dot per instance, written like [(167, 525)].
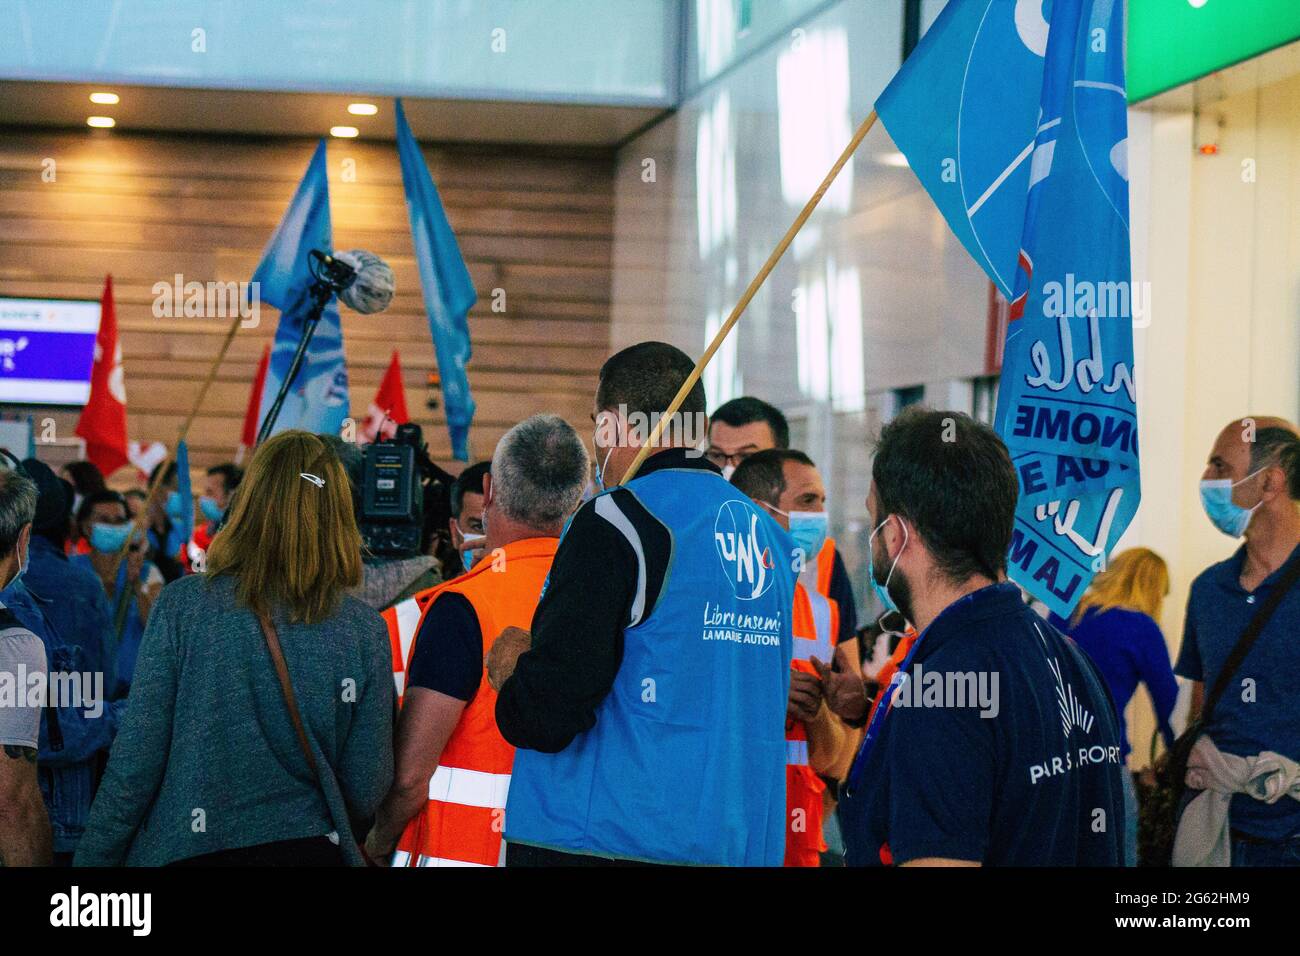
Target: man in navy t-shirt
[(997, 743)]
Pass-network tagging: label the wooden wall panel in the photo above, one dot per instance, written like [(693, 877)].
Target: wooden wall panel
[(536, 224)]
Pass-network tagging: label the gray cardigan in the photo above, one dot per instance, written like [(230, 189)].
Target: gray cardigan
[(207, 758)]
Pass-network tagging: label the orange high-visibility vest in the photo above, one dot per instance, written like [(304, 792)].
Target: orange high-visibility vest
[(403, 619), (816, 626), (462, 823), (819, 569)]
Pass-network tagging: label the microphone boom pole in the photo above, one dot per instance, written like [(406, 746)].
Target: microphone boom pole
[(333, 276), (320, 295)]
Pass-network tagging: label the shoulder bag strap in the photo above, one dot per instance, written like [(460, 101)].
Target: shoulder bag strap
[(342, 826), (1253, 630), (282, 672)]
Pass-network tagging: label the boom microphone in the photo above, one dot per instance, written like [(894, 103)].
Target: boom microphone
[(372, 289), (361, 279)]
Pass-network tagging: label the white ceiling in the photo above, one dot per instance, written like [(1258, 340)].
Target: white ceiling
[(229, 112)]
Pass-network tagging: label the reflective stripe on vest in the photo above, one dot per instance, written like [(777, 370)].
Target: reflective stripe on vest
[(821, 646), (408, 616), (472, 788), (403, 858), (822, 567), (816, 625)]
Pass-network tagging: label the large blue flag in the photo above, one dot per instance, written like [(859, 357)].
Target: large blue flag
[(183, 522), (1013, 115), (318, 400), (448, 291)]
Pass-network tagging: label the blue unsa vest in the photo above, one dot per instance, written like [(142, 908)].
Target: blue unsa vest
[(686, 761)]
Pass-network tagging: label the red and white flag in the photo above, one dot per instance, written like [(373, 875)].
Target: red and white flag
[(248, 438), (103, 421), (388, 410)]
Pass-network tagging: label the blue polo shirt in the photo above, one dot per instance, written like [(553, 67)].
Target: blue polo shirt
[(1025, 774), (1260, 710)]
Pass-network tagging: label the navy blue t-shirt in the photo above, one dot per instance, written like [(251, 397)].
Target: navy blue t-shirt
[(1260, 710), (448, 654), (1001, 748)]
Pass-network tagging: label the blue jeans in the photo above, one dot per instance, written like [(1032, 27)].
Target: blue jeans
[(1130, 845), (1256, 853)]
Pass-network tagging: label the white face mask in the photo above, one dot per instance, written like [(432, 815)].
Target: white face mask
[(728, 470), (604, 462)]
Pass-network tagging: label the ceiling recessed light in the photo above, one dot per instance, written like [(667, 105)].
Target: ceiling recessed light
[(105, 99), (343, 132), (363, 109), (101, 122)]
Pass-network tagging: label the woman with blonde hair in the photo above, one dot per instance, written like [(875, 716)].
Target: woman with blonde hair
[(217, 762), (1115, 624)]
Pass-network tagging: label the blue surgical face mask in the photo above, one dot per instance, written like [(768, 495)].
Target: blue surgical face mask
[(882, 588), (176, 507), (23, 562), (808, 528), (211, 510), (1226, 515), (109, 538)]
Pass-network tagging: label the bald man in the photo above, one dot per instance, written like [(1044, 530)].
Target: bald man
[(1251, 490)]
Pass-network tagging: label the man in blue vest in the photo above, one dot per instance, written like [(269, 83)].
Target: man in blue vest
[(649, 703)]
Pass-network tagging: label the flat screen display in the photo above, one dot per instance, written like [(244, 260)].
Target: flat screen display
[(47, 347)]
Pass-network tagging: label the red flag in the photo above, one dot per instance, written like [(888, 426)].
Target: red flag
[(388, 410), (103, 420), (249, 436)]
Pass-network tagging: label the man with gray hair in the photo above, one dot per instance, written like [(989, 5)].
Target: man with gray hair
[(453, 765), (24, 824)]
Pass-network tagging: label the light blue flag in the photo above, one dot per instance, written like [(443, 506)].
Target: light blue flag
[(1013, 115), (448, 291), (318, 400), (183, 525)]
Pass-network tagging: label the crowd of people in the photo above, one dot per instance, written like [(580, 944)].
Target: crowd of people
[(578, 670)]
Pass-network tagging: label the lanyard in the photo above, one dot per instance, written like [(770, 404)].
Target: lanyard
[(878, 718), (900, 675)]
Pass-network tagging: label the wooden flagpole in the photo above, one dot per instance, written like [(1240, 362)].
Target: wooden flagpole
[(748, 295), (155, 482)]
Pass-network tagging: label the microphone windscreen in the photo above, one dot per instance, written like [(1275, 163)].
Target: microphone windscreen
[(374, 287)]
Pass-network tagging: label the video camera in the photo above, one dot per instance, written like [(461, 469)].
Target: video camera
[(405, 497)]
